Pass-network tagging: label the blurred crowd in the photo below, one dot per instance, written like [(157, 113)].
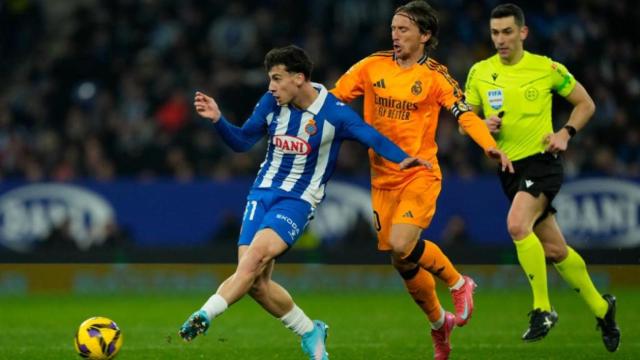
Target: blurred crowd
[(102, 89)]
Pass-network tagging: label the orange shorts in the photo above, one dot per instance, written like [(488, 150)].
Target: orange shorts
[(415, 203)]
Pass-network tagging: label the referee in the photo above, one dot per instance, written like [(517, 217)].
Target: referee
[(513, 89)]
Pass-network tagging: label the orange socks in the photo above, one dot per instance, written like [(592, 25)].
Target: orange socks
[(422, 287), (429, 256)]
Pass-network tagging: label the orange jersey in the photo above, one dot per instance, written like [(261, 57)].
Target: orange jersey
[(403, 105)]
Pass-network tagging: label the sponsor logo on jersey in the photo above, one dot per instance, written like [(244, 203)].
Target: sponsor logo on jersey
[(496, 98), (291, 145), (393, 108), (395, 103), (295, 230), (29, 213), (600, 213), (379, 84)]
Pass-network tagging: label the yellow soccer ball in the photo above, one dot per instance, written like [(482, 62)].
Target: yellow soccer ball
[(98, 338)]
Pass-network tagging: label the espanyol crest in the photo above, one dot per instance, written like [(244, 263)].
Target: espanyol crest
[(496, 98)]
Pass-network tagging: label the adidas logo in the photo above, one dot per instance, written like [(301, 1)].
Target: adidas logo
[(408, 214), (379, 84), (528, 183)]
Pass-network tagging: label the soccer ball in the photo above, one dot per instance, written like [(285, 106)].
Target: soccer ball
[(98, 338)]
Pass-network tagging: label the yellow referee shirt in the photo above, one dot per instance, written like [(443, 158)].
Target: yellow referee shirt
[(524, 92)]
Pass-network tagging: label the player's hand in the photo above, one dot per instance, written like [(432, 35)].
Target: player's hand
[(557, 142), (505, 163), (413, 162), (207, 107), (494, 122)]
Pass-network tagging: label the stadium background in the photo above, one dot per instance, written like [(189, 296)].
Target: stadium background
[(104, 165), (97, 95)]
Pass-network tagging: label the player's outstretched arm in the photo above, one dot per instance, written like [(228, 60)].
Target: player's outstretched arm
[(370, 137), (493, 122), (207, 107), (238, 139)]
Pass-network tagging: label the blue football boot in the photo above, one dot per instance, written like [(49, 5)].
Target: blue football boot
[(313, 342), (198, 323)]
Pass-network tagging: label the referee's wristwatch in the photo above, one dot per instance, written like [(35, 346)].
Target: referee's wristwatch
[(571, 130)]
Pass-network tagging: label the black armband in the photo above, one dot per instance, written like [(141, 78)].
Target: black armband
[(459, 108), (571, 130)]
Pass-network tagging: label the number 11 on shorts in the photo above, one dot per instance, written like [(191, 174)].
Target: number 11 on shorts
[(250, 209)]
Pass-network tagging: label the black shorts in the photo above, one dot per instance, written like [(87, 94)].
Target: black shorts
[(536, 174)]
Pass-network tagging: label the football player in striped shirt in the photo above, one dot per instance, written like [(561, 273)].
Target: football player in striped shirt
[(404, 90), (305, 125)]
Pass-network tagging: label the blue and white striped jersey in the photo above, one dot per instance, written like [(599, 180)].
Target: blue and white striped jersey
[(303, 144)]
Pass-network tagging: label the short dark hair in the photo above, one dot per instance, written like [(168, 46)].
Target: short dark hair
[(426, 17), (506, 10), (292, 57)]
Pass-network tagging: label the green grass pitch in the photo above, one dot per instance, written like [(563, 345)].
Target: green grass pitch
[(363, 325)]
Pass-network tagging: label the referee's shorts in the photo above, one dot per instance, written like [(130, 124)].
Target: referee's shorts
[(536, 174)]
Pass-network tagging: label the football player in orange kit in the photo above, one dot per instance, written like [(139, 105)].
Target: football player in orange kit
[(403, 91)]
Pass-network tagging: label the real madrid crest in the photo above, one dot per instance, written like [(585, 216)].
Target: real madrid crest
[(311, 128), (416, 89)]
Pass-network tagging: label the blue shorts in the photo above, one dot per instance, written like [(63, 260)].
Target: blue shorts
[(267, 209)]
